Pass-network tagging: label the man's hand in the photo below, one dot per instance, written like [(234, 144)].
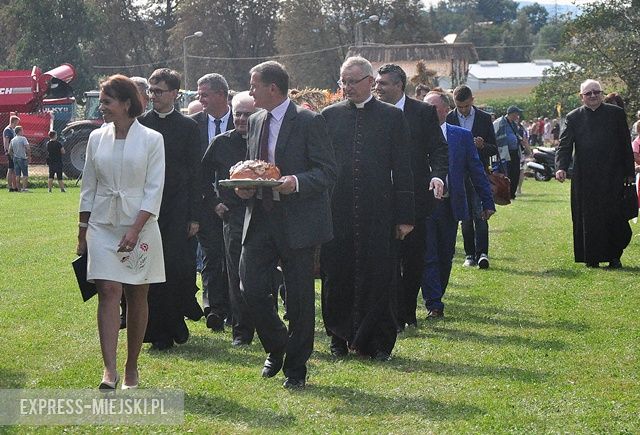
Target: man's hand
[(245, 193), (486, 214), (479, 142), (561, 175), (438, 188), (192, 229), (221, 209), (402, 230), (288, 185)]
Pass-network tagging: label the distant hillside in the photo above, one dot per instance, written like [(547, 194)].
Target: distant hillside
[(551, 7)]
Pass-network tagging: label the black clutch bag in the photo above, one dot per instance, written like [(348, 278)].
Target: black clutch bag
[(630, 201), (87, 289)]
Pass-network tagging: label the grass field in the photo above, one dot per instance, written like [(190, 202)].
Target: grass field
[(535, 344)]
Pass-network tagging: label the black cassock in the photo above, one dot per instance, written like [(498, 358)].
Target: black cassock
[(373, 194), (603, 160), (180, 205)]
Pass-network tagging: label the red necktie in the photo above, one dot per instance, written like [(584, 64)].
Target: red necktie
[(267, 194)]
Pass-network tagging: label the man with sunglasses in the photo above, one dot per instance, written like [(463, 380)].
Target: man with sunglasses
[(179, 211), (599, 135)]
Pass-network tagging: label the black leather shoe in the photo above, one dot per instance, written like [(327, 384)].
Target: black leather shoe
[(381, 356), (294, 384), (240, 342), (338, 347), (272, 365), (593, 265), (193, 310), (615, 264), (215, 322), (182, 336), (435, 314)]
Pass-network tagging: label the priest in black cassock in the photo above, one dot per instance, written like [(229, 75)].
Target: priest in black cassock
[(603, 161), (372, 207), (180, 206)]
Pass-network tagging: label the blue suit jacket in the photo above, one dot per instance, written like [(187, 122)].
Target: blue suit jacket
[(464, 162)]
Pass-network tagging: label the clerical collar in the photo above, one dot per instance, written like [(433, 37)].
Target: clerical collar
[(361, 105), (400, 103), (164, 115)]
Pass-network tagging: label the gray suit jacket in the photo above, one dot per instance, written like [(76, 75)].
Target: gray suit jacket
[(303, 149)]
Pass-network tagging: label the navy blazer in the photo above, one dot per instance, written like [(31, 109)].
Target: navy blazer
[(482, 127), (465, 163), (303, 149), (203, 126)]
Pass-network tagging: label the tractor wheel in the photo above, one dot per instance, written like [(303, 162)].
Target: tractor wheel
[(75, 151)]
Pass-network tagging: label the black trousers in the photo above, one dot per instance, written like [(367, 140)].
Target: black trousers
[(215, 286), (242, 327), (264, 245), (411, 266)]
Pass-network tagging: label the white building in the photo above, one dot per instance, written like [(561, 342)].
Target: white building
[(490, 75)]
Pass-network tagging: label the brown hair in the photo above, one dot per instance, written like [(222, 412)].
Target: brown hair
[(122, 88)]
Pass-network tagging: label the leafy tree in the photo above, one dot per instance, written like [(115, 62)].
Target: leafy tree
[(549, 42), (232, 30), (48, 33), (536, 14)]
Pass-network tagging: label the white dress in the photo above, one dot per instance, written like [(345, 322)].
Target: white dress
[(120, 178)]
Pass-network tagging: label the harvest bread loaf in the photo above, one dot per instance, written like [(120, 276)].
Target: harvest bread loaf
[(254, 170)]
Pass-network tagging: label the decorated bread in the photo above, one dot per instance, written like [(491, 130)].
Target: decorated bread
[(254, 170)]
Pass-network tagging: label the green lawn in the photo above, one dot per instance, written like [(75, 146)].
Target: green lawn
[(534, 344)]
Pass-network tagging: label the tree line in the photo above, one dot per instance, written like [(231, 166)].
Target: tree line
[(311, 37)]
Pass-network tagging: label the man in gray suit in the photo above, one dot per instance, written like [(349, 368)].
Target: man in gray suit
[(286, 223)]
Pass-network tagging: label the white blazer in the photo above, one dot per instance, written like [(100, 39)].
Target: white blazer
[(141, 177)]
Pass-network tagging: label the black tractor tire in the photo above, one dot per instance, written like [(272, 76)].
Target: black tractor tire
[(75, 148)]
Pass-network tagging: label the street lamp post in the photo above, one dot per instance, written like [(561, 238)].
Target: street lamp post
[(197, 34), (360, 28)]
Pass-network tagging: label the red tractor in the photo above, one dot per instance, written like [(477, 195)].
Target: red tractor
[(44, 102)]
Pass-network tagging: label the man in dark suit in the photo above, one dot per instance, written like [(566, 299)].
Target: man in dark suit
[(372, 208), (284, 224), (442, 225), (214, 119), (429, 167), (475, 230)]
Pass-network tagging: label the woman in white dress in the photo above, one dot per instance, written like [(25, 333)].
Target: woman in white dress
[(120, 200)]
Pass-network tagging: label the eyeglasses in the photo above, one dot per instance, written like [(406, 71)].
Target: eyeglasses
[(592, 93), (157, 92), (345, 83), (239, 114)]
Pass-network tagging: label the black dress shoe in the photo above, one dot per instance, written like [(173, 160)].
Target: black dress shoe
[(381, 356), (272, 365), (193, 310), (240, 342), (593, 264), (294, 384), (123, 321), (338, 347), (435, 314), (161, 345), (215, 322), (615, 264)]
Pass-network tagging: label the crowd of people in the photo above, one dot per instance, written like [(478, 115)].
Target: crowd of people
[(372, 190)]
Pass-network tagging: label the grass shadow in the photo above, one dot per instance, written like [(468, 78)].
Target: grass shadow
[(358, 403), (453, 334), (11, 379), (220, 408), (409, 365)]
